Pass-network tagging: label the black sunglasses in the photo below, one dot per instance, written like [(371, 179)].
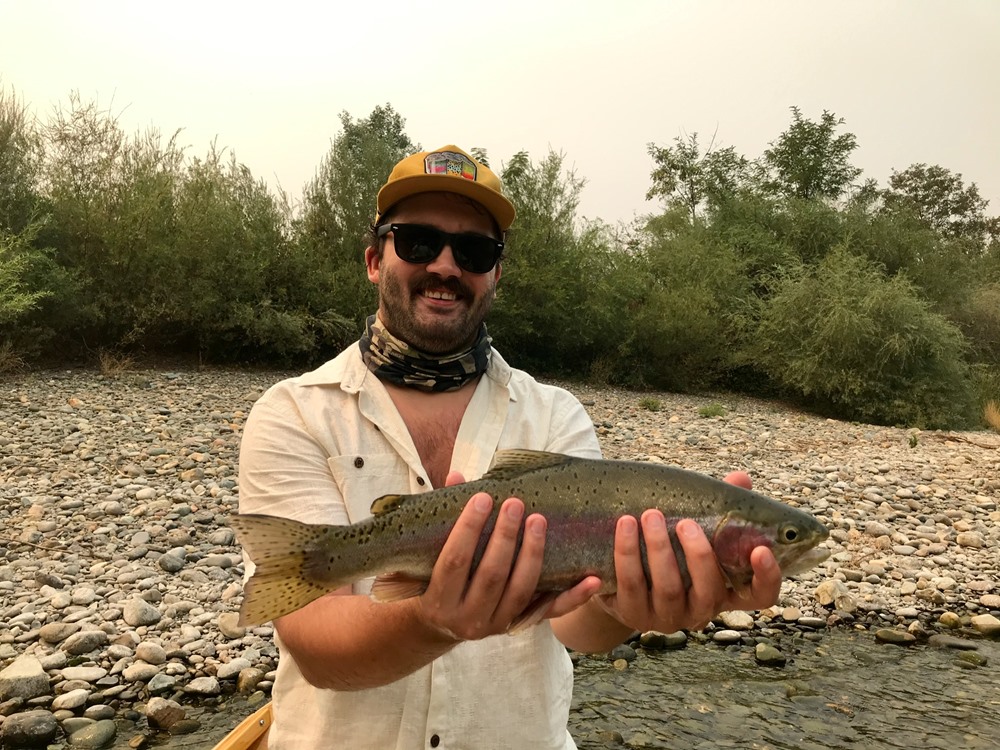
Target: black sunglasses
[(418, 243)]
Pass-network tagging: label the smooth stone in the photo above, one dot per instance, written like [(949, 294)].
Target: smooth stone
[(138, 613), (231, 669), (84, 642), (87, 674), (768, 655), (71, 700), (737, 620), (140, 672), (898, 637), (35, 728), (97, 735), (988, 625), (151, 653), (203, 686), (57, 632), (229, 625)]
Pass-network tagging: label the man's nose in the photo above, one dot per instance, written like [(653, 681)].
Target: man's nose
[(444, 264)]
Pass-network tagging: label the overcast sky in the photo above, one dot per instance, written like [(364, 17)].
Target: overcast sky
[(915, 81)]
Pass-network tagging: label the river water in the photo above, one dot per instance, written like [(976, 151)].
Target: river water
[(843, 691)]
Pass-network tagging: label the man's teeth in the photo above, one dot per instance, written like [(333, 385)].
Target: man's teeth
[(441, 295)]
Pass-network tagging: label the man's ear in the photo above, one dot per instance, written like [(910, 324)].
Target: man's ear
[(373, 263)]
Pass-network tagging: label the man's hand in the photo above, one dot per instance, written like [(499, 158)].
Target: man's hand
[(463, 604), (663, 603)]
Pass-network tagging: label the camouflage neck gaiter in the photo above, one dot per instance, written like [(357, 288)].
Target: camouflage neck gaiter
[(399, 363)]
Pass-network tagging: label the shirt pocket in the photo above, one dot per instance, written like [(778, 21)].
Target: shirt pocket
[(364, 479)]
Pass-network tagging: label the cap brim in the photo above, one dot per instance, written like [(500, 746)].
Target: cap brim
[(496, 204)]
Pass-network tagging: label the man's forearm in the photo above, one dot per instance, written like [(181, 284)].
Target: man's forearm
[(349, 642), (590, 629)]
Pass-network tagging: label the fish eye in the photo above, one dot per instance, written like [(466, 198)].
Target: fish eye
[(788, 534)]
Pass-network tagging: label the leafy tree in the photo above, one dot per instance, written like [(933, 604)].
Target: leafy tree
[(809, 160), (941, 200), (339, 205), (559, 299), (16, 298), (685, 177), (20, 156), (683, 328)]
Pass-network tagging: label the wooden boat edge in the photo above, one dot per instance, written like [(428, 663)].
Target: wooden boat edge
[(251, 733)]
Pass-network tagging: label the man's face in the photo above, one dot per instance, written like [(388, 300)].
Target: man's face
[(437, 306)]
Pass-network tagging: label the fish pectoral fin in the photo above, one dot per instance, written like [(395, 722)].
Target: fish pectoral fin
[(386, 503), (393, 587), (534, 614)]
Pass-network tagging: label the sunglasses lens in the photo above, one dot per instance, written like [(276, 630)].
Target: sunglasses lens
[(416, 243), (475, 253)]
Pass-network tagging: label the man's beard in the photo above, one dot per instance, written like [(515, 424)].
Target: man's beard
[(433, 334)]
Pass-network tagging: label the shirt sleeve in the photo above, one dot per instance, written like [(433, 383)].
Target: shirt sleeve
[(284, 469), (572, 430)]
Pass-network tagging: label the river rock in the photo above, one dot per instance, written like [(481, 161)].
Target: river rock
[(151, 653), (71, 700), (87, 674), (84, 642), (29, 729), (57, 632), (203, 686), (988, 625), (231, 669), (229, 625), (163, 713), (737, 620), (898, 637), (138, 612), (24, 678), (97, 735), (768, 655)]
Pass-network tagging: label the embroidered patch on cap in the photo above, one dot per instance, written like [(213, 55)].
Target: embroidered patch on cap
[(448, 162)]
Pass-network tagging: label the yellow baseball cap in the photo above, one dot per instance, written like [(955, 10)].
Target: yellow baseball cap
[(450, 170)]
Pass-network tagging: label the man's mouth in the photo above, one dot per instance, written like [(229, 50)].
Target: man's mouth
[(440, 295)]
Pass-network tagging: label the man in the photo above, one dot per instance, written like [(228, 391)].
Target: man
[(421, 401)]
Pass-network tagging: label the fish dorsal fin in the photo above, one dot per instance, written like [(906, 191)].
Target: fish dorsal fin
[(507, 463), (387, 503)]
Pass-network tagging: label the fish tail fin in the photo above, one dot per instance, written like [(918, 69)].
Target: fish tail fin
[(392, 587), (283, 552)]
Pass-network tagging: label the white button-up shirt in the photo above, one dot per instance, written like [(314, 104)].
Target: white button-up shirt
[(320, 448)]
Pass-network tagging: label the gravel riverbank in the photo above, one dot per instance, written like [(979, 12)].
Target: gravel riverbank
[(120, 581)]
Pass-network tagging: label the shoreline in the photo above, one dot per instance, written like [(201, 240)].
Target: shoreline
[(119, 577)]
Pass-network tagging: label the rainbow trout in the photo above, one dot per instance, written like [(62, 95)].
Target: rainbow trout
[(581, 500)]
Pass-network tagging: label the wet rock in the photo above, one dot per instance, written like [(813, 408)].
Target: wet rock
[(624, 651), (163, 713), (768, 655), (97, 735), (29, 729), (898, 637)]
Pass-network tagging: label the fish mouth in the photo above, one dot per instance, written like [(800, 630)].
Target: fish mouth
[(805, 561)]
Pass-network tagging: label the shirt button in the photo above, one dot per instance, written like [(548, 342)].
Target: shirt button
[(421, 482), (435, 740), (359, 462)]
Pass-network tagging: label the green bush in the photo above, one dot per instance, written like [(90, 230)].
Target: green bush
[(681, 332), (866, 347)]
